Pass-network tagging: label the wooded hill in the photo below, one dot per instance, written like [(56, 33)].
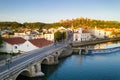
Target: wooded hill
[(78, 22)]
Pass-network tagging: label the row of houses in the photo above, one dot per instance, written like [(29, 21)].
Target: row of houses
[(32, 34), (102, 33), (81, 35), (18, 44), (92, 34), (27, 40)]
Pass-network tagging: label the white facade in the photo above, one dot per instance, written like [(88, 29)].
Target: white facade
[(24, 47), (101, 33), (16, 45), (49, 36), (22, 34), (27, 46), (86, 36), (9, 48), (81, 35)]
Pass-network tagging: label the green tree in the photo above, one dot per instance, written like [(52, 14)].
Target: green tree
[(57, 36), (0, 40), (10, 25), (63, 34), (60, 36), (36, 25)]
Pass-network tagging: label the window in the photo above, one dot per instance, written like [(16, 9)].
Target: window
[(15, 47)]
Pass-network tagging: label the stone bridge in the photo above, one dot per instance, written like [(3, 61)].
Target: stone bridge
[(91, 50), (82, 49), (30, 65)]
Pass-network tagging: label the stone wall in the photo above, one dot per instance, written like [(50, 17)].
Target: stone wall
[(66, 52)]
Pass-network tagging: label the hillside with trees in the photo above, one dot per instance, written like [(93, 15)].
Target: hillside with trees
[(90, 23), (78, 22)]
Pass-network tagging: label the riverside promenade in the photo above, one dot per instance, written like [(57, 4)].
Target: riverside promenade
[(92, 42)]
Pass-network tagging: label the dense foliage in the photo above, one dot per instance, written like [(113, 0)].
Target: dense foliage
[(59, 36), (116, 34), (79, 22), (36, 25), (10, 25), (0, 40), (90, 23)]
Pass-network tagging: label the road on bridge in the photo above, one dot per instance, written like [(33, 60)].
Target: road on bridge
[(31, 54)]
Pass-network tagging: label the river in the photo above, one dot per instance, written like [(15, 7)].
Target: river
[(84, 67)]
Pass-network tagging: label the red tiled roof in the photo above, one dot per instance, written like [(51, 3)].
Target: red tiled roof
[(16, 40), (22, 31), (85, 31), (41, 42), (75, 31)]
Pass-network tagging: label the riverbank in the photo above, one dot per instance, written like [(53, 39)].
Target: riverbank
[(85, 67), (66, 52), (78, 44), (75, 67)]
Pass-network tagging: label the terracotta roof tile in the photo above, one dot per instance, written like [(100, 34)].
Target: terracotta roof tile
[(85, 31), (16, 40), (41, 42)]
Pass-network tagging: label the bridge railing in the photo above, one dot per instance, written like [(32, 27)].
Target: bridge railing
[(13, 70), (6, 74)]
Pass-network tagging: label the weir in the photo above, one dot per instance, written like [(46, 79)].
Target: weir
[(90, 50), (103, 51), (82, 49)]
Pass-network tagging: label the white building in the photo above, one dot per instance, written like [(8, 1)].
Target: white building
[(81, 35), (19, 34), (18, 44), (12, 45), (101, 33), (49, 36), (27, 46)]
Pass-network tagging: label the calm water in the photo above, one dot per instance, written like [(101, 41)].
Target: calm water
[(84, 67)]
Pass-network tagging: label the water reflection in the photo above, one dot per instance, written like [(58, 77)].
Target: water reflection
[(107, 45), (79, 59), (84, 67), (48, 70)]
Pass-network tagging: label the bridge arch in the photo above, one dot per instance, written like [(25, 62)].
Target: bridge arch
[(24, 72), (45, 60), (83, 51), (56, 55)]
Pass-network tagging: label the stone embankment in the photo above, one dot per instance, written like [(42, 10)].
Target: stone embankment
[(66, 52), (78, 44)]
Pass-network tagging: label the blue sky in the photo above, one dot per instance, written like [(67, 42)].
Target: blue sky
[(55, 10)]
